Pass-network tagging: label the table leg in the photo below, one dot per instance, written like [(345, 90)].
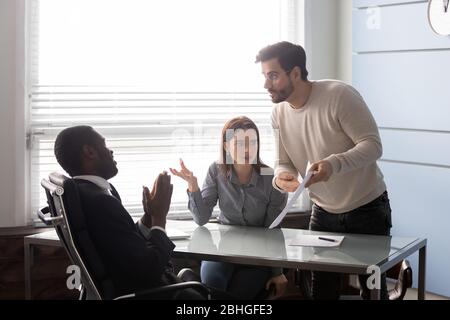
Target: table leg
[(28, 264), (422, 270), (375, 294)]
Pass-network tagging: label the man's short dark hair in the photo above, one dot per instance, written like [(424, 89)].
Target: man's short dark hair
[(288, 54), (69, 145)]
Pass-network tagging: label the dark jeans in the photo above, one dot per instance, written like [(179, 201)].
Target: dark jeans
[(371, 218), (241, 281)]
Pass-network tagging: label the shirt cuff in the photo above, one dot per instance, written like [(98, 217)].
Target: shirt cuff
[(274, 185), (158, 228), (194, 197), (146, 230), (192, 194)]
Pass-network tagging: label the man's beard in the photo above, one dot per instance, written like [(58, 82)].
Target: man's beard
[(282, 94), (107, 169)]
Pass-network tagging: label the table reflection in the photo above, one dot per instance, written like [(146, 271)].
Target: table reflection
[(239, 240)]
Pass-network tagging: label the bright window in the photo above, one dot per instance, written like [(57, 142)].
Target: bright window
[(157, 78)]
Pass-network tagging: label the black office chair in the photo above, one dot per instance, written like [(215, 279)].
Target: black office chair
[(66, 215)]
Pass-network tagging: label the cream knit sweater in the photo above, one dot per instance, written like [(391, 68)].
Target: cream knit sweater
[(335, 124)]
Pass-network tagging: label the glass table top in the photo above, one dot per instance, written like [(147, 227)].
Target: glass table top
[(272, 247), (275, 244)]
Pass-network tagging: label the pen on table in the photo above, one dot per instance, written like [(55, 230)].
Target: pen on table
[(327, 239)]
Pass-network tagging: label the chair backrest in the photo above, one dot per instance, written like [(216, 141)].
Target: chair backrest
[(69, 221)]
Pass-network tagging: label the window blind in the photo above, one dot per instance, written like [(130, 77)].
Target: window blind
[(148, 132)]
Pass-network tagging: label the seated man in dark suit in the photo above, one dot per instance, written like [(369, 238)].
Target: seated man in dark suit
[(136, 256)]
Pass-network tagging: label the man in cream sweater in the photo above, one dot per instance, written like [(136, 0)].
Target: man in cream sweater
[(327, 124)]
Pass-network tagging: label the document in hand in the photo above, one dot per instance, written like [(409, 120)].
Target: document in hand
[(297, 193), (317, 241)]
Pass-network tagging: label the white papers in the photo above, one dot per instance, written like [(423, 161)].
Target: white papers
[(297, 193), (317, 241), (176, 234)]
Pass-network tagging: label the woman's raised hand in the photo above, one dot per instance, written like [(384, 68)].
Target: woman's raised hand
[(186, 175)]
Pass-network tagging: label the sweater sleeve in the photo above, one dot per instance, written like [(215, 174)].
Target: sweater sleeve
[(359, 125), (283, 162)]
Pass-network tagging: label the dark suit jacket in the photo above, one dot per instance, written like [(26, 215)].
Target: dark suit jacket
[(132, 262)]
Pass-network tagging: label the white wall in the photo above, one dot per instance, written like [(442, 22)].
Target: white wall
[(344, 45), (321, 38), (13, 193), (7, 76), (403, 71), (328, 39)]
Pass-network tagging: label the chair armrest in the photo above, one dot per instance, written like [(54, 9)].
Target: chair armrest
[(47, 219), (169, 288)]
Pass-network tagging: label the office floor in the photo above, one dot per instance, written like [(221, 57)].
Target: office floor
[(411, 294)]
